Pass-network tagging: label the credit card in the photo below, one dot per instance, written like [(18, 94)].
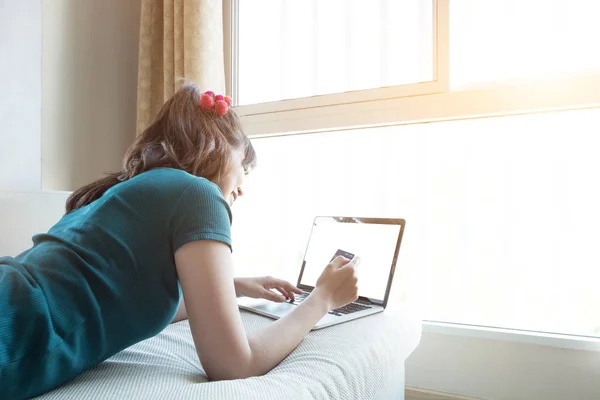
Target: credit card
[(342, 253)]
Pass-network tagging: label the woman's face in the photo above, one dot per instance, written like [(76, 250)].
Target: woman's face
[(231, 183)]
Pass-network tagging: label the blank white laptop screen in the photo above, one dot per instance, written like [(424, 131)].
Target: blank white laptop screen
[(375, 244)]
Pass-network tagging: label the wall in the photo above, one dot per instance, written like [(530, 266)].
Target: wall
[(89, 88), (20, 94), (503, 370)]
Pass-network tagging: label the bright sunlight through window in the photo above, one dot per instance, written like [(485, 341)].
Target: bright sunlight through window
[(492, 40), (300, 48), (501, 214)]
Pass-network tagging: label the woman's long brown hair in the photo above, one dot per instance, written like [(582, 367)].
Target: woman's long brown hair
[(182, 136)]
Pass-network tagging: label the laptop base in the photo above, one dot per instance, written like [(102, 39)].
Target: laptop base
[(277, 310)]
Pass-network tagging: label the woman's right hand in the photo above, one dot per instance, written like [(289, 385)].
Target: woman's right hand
[(337, 285)]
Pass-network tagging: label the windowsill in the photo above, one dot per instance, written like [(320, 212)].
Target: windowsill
[(533, 96), (585, 343)]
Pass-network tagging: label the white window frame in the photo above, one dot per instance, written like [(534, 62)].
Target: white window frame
[(407, 104), (498, 363), (438, 84), (532, 97)]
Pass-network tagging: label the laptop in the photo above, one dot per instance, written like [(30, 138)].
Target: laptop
[(375, 240)]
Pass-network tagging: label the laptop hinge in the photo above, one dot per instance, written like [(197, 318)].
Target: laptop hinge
[(366, 301)]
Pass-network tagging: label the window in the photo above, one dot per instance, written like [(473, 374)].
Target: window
[(494, 41), (496, 182), (502, 216), (290, 49)]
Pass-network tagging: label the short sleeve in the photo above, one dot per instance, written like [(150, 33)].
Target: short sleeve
[(201, 213)]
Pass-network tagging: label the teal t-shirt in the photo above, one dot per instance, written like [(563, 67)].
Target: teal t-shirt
[(101, 279)]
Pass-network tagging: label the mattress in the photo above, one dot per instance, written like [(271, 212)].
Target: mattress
[(354, 360)]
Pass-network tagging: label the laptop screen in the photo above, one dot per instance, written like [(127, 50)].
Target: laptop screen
[(374, 243)]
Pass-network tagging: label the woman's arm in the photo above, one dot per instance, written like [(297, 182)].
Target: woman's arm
[(256, 287), (205, 272)]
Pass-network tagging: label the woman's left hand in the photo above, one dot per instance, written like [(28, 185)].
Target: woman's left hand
[(260, 288)]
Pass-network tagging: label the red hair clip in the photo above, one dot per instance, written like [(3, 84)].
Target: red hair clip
[(220, 103)]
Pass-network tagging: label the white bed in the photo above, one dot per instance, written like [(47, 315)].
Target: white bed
[(361, 359)]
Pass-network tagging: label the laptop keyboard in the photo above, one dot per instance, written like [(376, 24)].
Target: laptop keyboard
[(345, 310), (348, 309)]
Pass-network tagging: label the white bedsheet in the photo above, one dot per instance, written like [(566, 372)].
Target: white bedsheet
[(354, 360)]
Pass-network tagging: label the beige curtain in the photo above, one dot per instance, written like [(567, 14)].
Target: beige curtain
[(178, 39)]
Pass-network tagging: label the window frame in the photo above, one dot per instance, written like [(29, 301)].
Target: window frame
[(563, 341), (411, 104), (537, 96), (439, 83)]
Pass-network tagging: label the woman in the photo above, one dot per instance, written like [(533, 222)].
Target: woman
[(110, 273)]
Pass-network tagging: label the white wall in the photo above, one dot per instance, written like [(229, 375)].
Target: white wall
[(27, 214), (20, 94), (90, 64), (68, 90), (503, 370)]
